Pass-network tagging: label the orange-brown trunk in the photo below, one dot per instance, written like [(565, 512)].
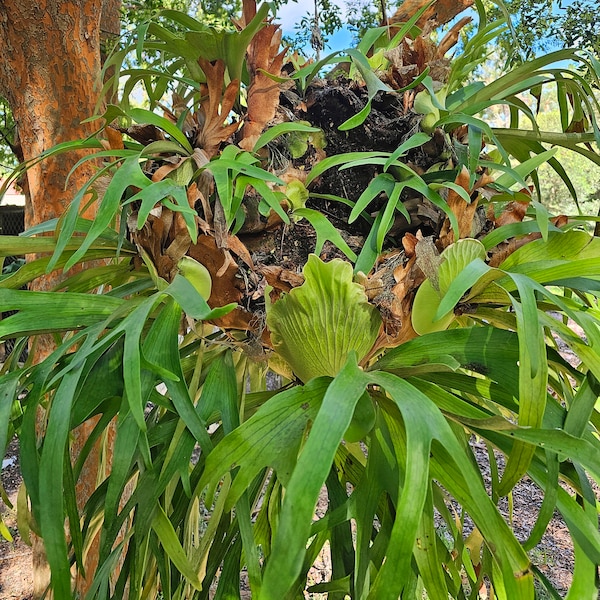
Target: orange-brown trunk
[(50, 75)]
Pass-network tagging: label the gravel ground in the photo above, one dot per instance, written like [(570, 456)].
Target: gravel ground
[(16, 579)]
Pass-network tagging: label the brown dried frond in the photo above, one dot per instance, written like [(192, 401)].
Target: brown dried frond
[(215, 108)]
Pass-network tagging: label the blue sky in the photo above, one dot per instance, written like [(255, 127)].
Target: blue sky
[(292, 12)]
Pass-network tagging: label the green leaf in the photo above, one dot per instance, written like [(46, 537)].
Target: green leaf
[(414, 141), (229, 46), (170, 542), (237, 165), (133, 326), (128, 174), (8, 392), (143, 116), (281, 129), (475, 144), (381, 183), (582, 406), (533, 380), (36, 268), (162, 147), (412, 435), (51, 478), (193, 304), (337, 160), (5, 532), (102, 380), (284, 564), (317, 325), (305, 75), (409, 26), (411, 443), (270, 198), (426, 315), (525, 168), (560, 246), (461, 267), (161, 191), (44, 312), (161, 348), (456, 257), (325, 231), (183, 19), (271, 437), (369, 253), (125, 446), (473, 273), (374, 85), (371, 36), (499, 235), (358, 119), (486, 350), (387, 220)]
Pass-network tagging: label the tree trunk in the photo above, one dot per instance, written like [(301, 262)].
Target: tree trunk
[(439, 13), (50, 75)]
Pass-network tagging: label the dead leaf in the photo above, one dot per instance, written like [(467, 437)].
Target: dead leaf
[(239, 318), (221, 231), (484, 180), (171, 166), (428, 259), (464, 211), (399, 280), (180, 107), (177, 249), (152, 238), (114, 137), (144, 134), (264, 58), (238, 248), (291, 173), (228, 262), (441, 12), (560, 220), (226, 287), (216, 107), (502, 251), (409, 243), (513, 213), (281, 279)]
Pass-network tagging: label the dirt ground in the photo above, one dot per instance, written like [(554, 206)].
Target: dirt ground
[(16, 579)]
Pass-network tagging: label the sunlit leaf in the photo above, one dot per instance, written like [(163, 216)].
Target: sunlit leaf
[(317, 325)]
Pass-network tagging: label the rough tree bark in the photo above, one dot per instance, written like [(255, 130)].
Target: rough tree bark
[(50, 75), (439, 13)]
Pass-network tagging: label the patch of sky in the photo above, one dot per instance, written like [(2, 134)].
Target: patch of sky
[(290, 15), (7, 462)]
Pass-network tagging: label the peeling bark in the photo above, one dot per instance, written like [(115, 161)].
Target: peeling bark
[(50, 75)]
